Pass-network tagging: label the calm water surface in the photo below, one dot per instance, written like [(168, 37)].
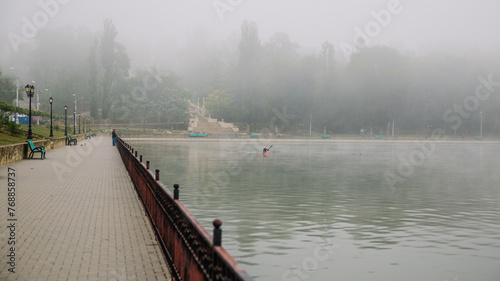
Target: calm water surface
[(327, 211)]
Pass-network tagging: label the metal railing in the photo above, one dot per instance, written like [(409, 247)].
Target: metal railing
[(189, 250)]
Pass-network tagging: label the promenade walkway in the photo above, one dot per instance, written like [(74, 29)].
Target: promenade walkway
[(76, 217)]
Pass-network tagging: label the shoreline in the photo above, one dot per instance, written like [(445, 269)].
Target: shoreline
[(305, 140)]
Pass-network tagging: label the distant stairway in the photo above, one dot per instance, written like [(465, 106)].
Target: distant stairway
[(198, 123)]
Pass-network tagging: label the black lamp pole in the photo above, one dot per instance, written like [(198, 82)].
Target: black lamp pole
[(30, 91), (84, 124), (65, 120), (51, 132), (74, 122), (79, 115)]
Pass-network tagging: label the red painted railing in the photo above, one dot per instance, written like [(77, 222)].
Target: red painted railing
[(190, 252)]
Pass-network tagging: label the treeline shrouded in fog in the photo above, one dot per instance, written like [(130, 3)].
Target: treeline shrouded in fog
[(275, 82), (269, 83)]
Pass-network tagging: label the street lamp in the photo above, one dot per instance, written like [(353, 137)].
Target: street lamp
[(481, 125), (74, 122), (84, 124), (37, 104), (51, 132), (79, 115), (17, 93), (65, 120), (30, 91)]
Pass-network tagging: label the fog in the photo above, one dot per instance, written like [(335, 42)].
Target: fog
[(152, 25), (394, 70), (355, 64)]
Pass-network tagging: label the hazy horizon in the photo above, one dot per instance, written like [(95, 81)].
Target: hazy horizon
[(159, 27)]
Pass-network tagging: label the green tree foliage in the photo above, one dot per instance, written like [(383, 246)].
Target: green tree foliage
[(377, 86), (248, 83), (7, 89), (115, 65), (219, 103)]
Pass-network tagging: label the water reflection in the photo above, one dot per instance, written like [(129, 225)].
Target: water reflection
[(440, 223)]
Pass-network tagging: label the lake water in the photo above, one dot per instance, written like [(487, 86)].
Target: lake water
[(344, 211)]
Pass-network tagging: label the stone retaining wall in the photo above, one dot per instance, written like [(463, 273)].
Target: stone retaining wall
[(16, 152)]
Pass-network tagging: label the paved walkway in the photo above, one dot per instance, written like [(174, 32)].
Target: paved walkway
[(76, 217)]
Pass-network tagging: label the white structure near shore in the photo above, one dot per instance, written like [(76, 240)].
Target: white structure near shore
[(199, 123)]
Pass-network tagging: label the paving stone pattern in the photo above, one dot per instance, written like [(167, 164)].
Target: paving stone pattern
[(78, 218)]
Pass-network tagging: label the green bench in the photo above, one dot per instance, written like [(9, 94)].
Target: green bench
[(33, 150), (71, 140)]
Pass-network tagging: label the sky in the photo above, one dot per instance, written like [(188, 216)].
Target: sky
[(412, 25)]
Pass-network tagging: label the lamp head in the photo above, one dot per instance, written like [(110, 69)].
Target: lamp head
[(51, 100)]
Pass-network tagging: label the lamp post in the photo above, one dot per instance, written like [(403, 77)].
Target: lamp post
[(84, 124), (30, 91), (17, 93), (481, 124), (310, 123), (17, 100), (74, 117), (51, 132), (79, 115), (37, 103), (74, 122), (66, 120)]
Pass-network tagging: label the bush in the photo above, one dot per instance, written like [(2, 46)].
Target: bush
[(15, 129), (4, 118)]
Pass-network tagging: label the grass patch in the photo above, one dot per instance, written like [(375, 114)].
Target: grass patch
[(39, 132)]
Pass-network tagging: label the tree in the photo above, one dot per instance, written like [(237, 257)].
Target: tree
[(7, 89), (115, 64), (382, 78), (248, 66), (219, 103)]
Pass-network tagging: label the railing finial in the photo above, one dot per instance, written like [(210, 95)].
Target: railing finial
[(217, 232), (176, 191)]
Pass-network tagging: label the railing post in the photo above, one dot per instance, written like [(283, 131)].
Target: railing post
[(217, 232), (176, 191), (157, 174), (132, 150), (136, 154), (140, 158), (147, 164)]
